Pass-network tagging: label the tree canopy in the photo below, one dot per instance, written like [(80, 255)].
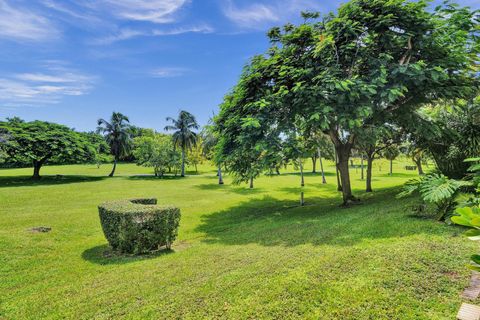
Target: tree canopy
[(38, 142), (157, 151), (370, 63)]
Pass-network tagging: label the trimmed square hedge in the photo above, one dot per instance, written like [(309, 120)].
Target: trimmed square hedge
[(138, 225)]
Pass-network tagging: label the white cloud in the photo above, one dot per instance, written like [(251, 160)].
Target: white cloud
[(263, 14), (168, 72), (252, 15), (125, 34), (181, 30), (47, 87), (24, 25), (156, 11)]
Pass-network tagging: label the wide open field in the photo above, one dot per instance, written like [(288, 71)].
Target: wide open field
[(241, 254)]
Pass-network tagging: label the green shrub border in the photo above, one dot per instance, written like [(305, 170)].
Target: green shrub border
[(138, 225)]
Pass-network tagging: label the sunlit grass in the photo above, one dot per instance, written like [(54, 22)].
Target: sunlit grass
[(241, 253)]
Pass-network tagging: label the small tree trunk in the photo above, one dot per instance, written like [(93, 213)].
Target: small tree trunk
[(302, 199), (420, 168), (219, 174), (339, 183), (314, 164), (343, 153), (391, 167), (196, 168), (302, 183), (114, 167), (277, 170), (183, 162), (418, 162), (36, 169), (369, 173), (321, 166), (251, 182), (362, 168)]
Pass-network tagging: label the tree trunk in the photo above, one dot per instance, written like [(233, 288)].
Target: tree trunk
[(420, 168), (251, 182), (369, 173), (339, 183), (196, 168), (36, 169), (114, 167), (343, 153), (391, 167), (321, 166), (183, 162), (219, 174), (418, 162), (302, 183), (363, 170), (314, 164), (277, 170)]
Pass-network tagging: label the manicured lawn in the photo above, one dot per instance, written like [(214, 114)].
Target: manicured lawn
[(241, 254)]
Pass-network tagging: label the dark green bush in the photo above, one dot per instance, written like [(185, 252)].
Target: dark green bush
[(138, 225)]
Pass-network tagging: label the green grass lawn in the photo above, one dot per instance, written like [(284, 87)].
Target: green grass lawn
[(241, 253)]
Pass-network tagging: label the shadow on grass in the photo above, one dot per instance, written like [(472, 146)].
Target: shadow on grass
[(152, 177), (309, 174), (27, 181), (273, 222), (104, 255), (229, 188)]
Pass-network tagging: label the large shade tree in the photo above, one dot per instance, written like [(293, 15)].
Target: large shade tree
[(370, 63), (184, 135), (37, 142), (118, 136)]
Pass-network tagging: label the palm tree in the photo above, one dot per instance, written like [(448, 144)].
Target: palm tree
[(183, 136), (118, 136)]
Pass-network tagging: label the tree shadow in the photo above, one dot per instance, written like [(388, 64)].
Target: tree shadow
[(308, 188), (27, 181), (104, 255), (409, 174), (229, 188), (153, 177), (308, 174), (273, 222)]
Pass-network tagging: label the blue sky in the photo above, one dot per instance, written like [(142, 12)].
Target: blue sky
[(72, 62)]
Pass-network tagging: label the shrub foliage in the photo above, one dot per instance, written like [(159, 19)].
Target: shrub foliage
[(138, 225), (436, 189)]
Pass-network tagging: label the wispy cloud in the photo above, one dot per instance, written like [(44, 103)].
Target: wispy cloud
[(155, 11), (262, 14), (24, 25), (250, 16), (125, 34), (169, 72), (46, 87)]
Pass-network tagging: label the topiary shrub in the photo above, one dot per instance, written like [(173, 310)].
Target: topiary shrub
[(138, 225)]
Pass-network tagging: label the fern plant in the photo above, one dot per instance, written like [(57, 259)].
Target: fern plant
[(470, 217), (475, 171), (436, 189)]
